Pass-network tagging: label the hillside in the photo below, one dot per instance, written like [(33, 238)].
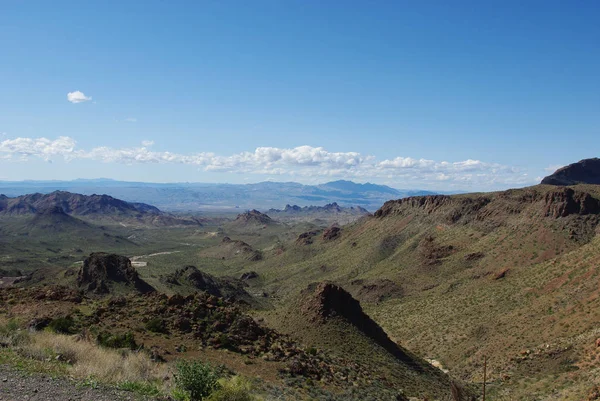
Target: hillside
[(511, 275)]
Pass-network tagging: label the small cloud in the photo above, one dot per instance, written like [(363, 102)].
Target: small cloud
[(131, 120), (552, 168), (147, 143), (78, 97)]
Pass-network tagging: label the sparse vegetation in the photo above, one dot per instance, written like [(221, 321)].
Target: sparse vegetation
[(156, 325), (62, 325), (109, 340)]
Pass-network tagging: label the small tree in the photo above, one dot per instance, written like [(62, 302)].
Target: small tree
[(197, 379)]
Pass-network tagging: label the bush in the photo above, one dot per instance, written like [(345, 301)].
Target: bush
[(62, 325), (196, 379), (234, 389), (12, 335), (117, 340), (156, 325)]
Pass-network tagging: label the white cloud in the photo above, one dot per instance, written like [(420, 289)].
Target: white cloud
[(305, 162), (552, 168), (39, 147), (78, 97), (131, 120)]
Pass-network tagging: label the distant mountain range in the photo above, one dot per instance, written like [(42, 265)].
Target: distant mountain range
[(219, 197), (332, 212), (63, 205)]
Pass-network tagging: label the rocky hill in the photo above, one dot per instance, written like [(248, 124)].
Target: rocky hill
[(196, 280), (104, 273), (510, 275), (585, 171), (326, 316)]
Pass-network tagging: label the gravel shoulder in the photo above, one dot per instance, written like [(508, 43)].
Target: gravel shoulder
[(20, 386)]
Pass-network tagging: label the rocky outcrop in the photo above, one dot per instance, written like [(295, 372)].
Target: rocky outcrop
[(451, 209), (566, 201), (306, 238), (585, 171), (375, 291), (332, 233), (428, 203), (100, 271)]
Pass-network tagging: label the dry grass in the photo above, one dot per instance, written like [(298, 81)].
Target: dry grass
[(87, 360)]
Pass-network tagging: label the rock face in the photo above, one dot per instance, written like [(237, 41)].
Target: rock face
[(586, 171), (332, 233), (101, 270), (566, 201)]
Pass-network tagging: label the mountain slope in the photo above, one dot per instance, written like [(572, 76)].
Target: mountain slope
[(492, 274)]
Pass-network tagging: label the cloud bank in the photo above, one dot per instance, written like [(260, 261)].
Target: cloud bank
[(78, 97), (301, 161)]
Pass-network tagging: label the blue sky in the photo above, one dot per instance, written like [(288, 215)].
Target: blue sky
[(435, 94)]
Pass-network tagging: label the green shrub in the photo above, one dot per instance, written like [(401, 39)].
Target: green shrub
[(234, 389), (62, 325), (156, 325), (117, 340), (197, 379)]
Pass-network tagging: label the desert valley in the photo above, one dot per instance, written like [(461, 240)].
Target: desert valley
[(332, 302)]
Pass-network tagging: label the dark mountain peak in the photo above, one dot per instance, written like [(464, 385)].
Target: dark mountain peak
[(585, 171), (74, 204)]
